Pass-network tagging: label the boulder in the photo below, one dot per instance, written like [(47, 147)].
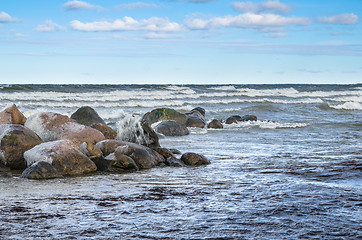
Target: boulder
[(15, 139), (194, 159), (175, 151), (195, 119), (12, 115), (215, 124), (87, 116), (63, 155), (144, 157), (200, 110), (119, 164), (164, 152), (151, 136), (174, 162), (231, 120), (107, 131), (54, 126), (249, 118), (41, 170), (172, 128), (91, 150), (163, 114)]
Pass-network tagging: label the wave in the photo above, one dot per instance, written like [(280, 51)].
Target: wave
[(265, 125), (348, 106), (223, 88)]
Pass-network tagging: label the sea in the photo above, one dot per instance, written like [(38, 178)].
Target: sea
[(295, 173)]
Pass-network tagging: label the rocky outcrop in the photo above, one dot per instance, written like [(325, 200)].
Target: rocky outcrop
[(215, 124), (63, 155), (87, 116), (164, 114), (12, 115), (144, 157), (194, 159), (172, 128), (107, 131), (195, 119), (54, 126), (14, 141), (41, 170)]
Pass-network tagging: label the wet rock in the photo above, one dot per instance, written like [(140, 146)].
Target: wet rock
[(41, 170), (120, 163), (144, 157), (54, 126), (151, 136), (174, 162), (200, 110), (249, 118), (194, 159), (164, 152), (164, 114), (195, 119), (172, 128), (91, 150), (87, 116), (215, 124), (231, 120), (14, 141), (175, 151), (63, 155), (12, 115), (107, 131)]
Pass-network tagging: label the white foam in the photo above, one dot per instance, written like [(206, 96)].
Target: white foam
[(130, 129), (35, 123), (348, 106), (223, 88), (265, 125)]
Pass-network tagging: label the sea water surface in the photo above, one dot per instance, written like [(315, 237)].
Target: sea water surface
[(296, 173)]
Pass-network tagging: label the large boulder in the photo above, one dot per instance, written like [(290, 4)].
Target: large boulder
[(63, 155), (215, 124), (194, 159), (41, 170), (163, 114), (87, 116), (144, 157), (54, 126), (172, 128), (12, 115), (14, 141), (107, 131), (195, 119)]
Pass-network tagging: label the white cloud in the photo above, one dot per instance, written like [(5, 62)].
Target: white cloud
[(247, 20), (153, 35), (276, 34), (344, 19), (80, 5), (128, 24), (49, 26), (135, 5), (6, 18), (267, 6)]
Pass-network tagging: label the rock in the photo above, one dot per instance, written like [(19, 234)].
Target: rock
[(12, 115), (231, 120), (172, 128), (164, 152), (215, 124), (249, 118), (91, 150), (63, 155), (41, 170), (151, 136), (237, 118), (113, 163), (195, 119), (54, 126), (200, 110), (164, 114), (174, 162), (87, 116), (175, 151), (107, 131), (144, 157), (14, 141), (194, 159)]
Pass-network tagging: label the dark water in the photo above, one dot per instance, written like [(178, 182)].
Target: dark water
[(296, 173)]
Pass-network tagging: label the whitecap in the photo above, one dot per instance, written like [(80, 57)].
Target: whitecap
[(348, 106), (223, 88), (265, 125)]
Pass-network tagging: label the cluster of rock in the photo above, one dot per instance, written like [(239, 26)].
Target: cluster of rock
[(50, 145)]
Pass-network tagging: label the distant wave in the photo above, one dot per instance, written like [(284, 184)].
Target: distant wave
[(344, 106), (223, 88), (265, 125)]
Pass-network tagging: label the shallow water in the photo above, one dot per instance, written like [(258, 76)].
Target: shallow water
[(296, 173)]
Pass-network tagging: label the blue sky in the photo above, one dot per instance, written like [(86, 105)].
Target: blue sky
[(180, 41)]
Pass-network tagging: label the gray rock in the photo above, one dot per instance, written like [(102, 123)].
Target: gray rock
[(41, 170), (194, 159), (215, 124), (172, 128), (87, 116)]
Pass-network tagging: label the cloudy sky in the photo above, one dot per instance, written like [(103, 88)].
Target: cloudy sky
[(180, 41)]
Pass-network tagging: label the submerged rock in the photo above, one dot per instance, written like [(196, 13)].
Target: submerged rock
[(172, 128), (87, 116), (194, 159), (164, 114), (12, 115), (41, 170), (107, 131), (144, 157), (215, 124), (14, 141), (233, 119), (63, 155), (249, 118), (54, 126)]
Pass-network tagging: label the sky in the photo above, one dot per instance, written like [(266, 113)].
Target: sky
[(180, 42)]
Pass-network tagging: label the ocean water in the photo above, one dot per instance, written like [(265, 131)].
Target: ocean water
[(296, 173)]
